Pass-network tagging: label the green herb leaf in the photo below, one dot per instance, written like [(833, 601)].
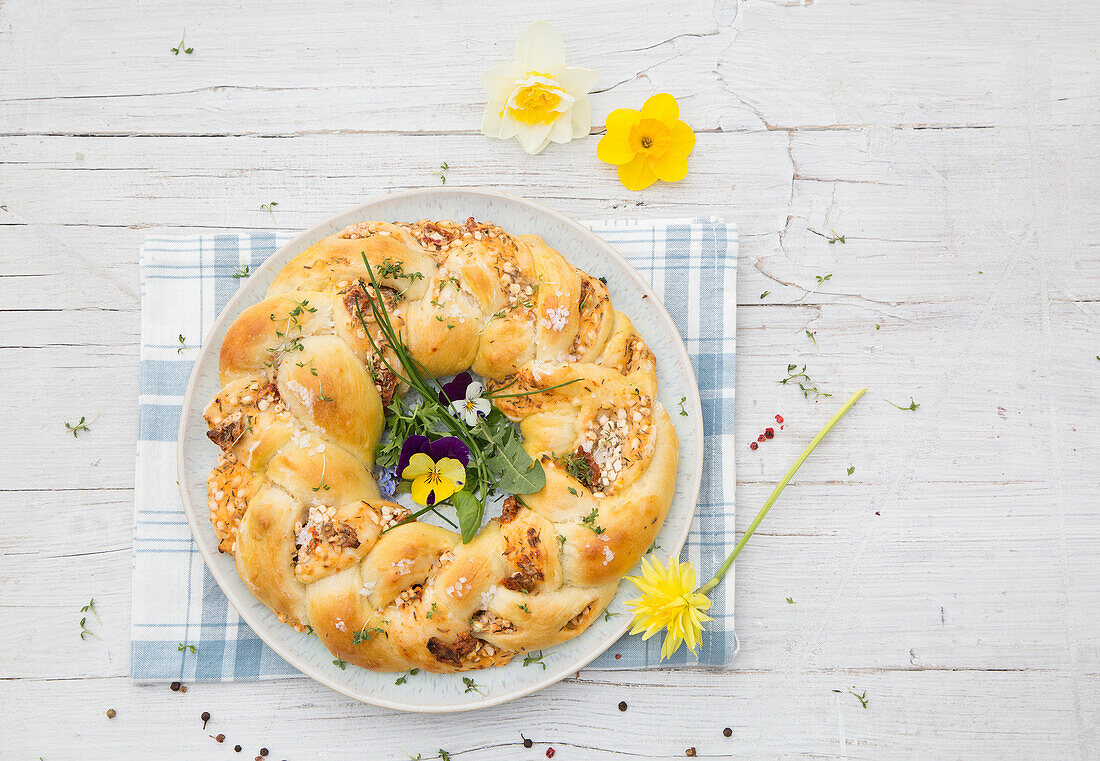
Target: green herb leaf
[(471, 686), (851, 469), (470, 512), (340, 663), (765, 293), (791, 601)]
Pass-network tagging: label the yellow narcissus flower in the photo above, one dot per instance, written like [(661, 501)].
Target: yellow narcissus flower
[(669, 598), (647, 145), (669, 601), (537, 98)]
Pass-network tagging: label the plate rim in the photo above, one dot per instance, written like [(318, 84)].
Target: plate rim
[(300, 242)]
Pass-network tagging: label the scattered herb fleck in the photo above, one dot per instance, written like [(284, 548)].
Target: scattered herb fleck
[(790, 601), (340, 663), (183, 344), (608, 615), (851, 469), (681, 403), (911, 408), (812, 335), (182, 647), (471, 686), (531, 658), (765, 293), (77, 427), (653, 548), (366, 635), (443, 173), (405, 677), (176, 50), (798, 375), (836, 238), (862, 698), (590, 521), (444, 755), (269, 207), (242, 271)]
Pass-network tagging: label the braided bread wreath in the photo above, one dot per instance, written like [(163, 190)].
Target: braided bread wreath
[(302, 403)]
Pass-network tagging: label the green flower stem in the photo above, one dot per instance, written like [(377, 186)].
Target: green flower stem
[(777, 491)]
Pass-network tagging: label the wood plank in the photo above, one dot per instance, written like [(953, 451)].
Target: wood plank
[(790, 715)]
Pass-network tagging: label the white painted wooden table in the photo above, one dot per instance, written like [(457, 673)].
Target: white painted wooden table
[(954, 575)]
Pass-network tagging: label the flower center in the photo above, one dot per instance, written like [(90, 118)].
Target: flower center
[(650, 137), (538, 99)]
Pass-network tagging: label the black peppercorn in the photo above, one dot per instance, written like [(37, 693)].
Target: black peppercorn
[(220, 738), (175, 686), (622, 705), (727, 732), (263, 751), (527, 742), (205, 718), (690, 752), (237, 748)]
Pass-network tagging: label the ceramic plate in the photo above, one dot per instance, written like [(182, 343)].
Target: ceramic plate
[(441, 693)]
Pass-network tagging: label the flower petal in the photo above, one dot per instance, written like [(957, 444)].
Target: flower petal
[(622, 119), (413, 444), (419, 465), (540, 48), (473, 389), (615, 148), (423, 491), (482, 406), (450, 446), (636, 174), (451, 470), (533, 137), (456, 388), (662, 107), (500, 80), (669, 168), (581, 118), (576, 81), (682, 139), (562, 129)]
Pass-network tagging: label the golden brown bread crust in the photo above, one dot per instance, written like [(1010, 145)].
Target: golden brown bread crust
[(301, 411)]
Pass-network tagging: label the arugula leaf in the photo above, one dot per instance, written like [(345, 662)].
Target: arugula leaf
[(519, 474)]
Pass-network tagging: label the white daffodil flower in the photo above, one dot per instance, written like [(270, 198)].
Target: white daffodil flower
[(537, 98), (473, 405)]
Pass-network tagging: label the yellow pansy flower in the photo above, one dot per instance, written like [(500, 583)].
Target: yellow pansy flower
[(647, 145), (433, 481)]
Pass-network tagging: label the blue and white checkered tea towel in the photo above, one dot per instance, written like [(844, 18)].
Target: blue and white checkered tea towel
[(185, 283)]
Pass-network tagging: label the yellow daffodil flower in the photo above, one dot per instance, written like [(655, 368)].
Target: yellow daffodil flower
[(433, 481), (669, 598), (537, 98), (669, 601), (647, 145)]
